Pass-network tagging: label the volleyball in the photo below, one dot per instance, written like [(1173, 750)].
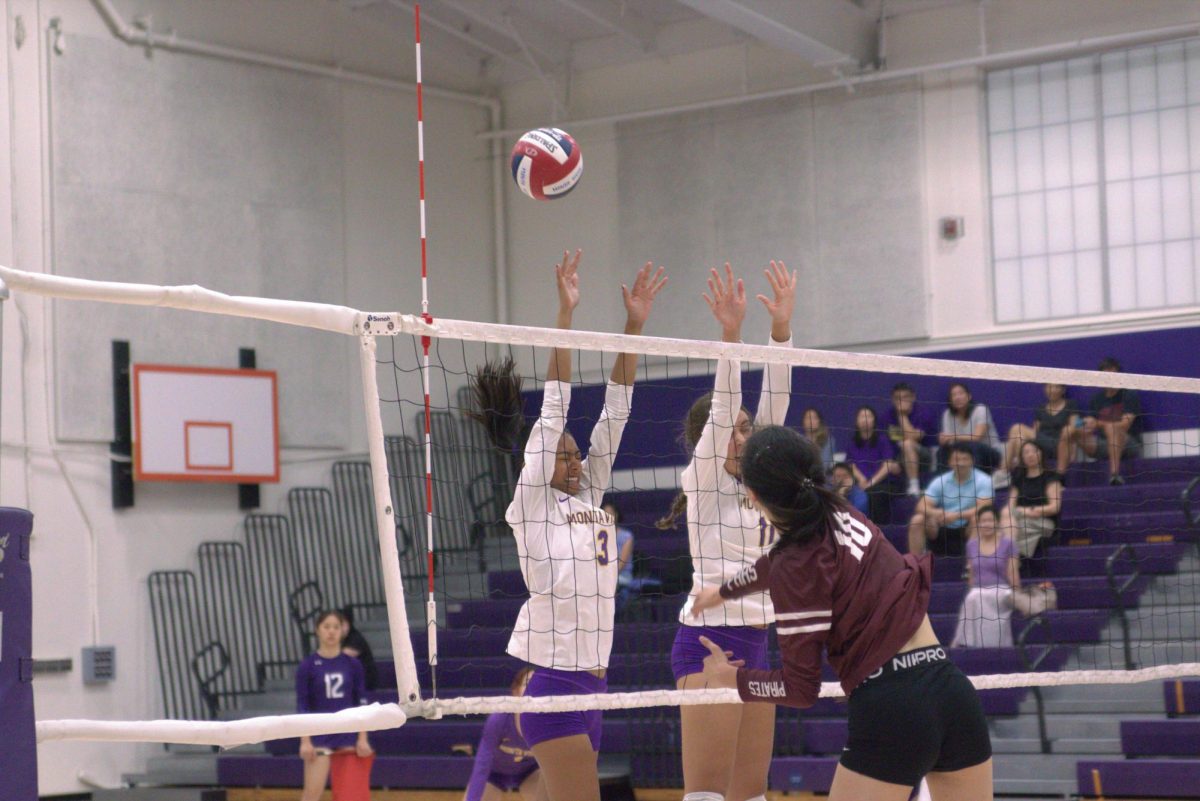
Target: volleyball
[(546, 163)]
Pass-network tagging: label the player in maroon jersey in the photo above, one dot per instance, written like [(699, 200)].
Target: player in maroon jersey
[(839, 586)]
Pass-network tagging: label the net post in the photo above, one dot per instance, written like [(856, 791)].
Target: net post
[(385, 522)]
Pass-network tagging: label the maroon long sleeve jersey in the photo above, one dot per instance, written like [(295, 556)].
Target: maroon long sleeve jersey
[(849, 593)]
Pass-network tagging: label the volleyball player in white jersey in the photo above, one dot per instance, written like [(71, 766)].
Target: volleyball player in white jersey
[(568, 549), (727, 748)]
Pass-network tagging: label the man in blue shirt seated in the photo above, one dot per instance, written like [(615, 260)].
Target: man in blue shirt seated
[(949, 504)]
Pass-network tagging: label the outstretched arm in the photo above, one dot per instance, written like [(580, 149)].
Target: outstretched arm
[(567, 276), (606, 434), (777, 378), (638, 303)]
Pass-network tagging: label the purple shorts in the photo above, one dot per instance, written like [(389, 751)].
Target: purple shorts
[(538, 727), (746, 642), (508, 782)]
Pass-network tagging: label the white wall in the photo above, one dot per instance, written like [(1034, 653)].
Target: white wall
[(958, 275), (67, 484)]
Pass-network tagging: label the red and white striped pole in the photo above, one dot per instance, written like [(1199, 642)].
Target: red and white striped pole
[(430, 604)]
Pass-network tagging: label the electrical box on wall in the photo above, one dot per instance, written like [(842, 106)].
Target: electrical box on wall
[(951, 228), (99, 664)]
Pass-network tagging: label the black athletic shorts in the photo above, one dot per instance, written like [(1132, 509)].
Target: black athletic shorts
[(918, 714)]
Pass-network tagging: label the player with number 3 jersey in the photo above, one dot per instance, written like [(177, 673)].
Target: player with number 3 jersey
[(566, 542)]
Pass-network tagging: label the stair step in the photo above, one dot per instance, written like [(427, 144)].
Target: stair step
[(160, 794)]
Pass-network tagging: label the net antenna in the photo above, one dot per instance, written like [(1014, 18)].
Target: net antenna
[(431, 602)]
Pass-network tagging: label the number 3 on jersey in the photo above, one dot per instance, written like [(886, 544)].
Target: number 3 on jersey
[(851, 533), (602, 547)]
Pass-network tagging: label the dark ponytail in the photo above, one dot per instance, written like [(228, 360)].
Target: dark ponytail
[(786, 474), (693, 429), (496, 390)]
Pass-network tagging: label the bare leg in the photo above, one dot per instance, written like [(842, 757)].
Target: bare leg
[(1116, 446), (316, 774), (568, 768), (912, 460), (916, 534), (752, 759), (532, 789), (1017, 436), (491, 793), (969, 784), (710, 741), (851, 786), (1064, 452)]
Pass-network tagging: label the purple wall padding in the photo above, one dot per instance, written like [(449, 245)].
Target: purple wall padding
[(18, 758), (659, 406)]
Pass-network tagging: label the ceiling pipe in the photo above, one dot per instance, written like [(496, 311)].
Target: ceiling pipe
[(133, 35), (143, 38), (997, 59)]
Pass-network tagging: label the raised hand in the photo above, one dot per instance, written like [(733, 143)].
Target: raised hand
[(640, 300), (783, 283), (567, 276), (728, 302)]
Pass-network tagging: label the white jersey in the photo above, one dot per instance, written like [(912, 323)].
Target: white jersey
[(725, 532), (567, 544)]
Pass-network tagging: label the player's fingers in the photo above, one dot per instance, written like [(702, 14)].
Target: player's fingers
[(712, 647)]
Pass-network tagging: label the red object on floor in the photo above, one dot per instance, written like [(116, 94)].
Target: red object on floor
[(350, 776)]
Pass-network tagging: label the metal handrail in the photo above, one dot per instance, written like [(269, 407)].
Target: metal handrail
[(211, 697), (1185, 500), (1118, 593), (1031, 665)]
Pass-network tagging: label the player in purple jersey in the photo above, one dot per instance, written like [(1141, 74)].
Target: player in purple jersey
[(841, 590), (503, 760), (328, 681)]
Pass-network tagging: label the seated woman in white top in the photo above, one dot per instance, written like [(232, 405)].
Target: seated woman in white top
[(970, 423)]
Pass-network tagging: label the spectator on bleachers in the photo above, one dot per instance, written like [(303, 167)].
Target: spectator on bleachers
[(994, 588), (872, 457), (813, 427), (968, 423), (1112, 425), (841, 478), (950, 502), (503, 761), (330, 681), (629, 586), (985, 620), (1051, 430), (1034, 502), (355, 644), (913, 429)]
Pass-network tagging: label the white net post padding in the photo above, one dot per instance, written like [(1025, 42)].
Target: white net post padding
[(385, 522), (226, 734)]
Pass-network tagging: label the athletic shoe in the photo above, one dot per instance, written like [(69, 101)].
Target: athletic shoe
[(1116, 481), (1000, 479)]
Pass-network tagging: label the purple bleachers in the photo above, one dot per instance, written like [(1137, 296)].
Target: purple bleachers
[(1160, 738), (424, 771), (1076, 592), (442, 737), (825, 736), (1150, 778), (1089, 560), (813, 774), (1065, 626), (1182, 697)]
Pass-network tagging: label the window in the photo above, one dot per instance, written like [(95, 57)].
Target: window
[(1095, 183)]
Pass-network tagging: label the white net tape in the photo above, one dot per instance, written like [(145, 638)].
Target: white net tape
[(344, 320), (387, 716)]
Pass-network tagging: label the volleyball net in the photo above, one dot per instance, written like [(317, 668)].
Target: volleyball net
[(1105, 591)]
